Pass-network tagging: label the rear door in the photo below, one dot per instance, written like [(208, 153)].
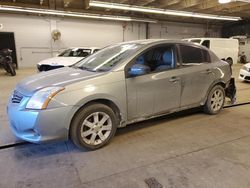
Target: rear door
[(197, 74)]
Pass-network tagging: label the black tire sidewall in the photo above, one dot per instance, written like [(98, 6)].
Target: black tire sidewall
[(207, 106), (11, 70), (229, 61), (75, 130)]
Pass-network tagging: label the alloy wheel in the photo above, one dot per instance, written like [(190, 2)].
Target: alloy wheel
[(217, 100), (96, 128)]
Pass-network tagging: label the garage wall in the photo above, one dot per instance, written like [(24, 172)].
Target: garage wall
[(175, 30), (34, 43), (33, 35)]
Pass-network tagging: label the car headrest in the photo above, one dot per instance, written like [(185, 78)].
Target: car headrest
[(167, 58), (140, 60)]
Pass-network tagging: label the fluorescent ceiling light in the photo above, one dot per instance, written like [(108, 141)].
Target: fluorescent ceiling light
[(159, 11), (228, 1), (72, 14), (224, 1)]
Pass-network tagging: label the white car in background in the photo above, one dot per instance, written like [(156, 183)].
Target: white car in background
[(66, 58), (245, 73)]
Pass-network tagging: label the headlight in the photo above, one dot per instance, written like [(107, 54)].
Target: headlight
[(41, 98)]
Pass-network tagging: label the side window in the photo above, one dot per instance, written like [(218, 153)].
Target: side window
[(206, 43), (82, 53), (191, 55), (196, 41), (157, 59), (95, 50)]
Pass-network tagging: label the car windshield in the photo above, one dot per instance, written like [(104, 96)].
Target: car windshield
[(75, 52), (107, 58)]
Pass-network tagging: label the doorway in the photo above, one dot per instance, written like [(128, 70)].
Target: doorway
[(7, 40)]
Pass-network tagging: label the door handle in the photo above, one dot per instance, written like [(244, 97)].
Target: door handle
[(208, 71), (174, 79)]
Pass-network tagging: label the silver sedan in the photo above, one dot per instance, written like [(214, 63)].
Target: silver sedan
[(119, 85)]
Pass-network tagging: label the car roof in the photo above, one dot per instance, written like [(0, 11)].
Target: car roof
[(209, 38), (92, 48), (155, 41), (161, 41)]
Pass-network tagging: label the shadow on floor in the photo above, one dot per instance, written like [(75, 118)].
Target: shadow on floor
[(31, 151)]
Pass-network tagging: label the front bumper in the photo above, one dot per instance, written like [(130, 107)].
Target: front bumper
[(244, 75), (39, 126)]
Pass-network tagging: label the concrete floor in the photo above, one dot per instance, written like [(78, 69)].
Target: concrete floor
[(187, 149), (7, 84)]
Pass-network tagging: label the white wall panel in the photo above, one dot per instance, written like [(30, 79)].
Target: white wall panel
[(177, 30), (33, 34)]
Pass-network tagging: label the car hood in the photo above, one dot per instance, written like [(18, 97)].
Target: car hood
[(58, 77), (247, 65), (56, 61)]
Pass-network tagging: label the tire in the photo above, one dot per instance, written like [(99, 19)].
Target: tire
[(230, 61), (15, 66), (215, 100), (6, 68), (11, 69), (93, 126)]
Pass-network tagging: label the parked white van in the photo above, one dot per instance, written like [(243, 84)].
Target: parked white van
[(226, 49)]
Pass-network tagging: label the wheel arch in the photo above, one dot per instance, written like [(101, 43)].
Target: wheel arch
[(108, 102), (230, 61), (218, 82)]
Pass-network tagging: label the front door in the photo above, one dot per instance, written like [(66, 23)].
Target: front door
[(158, 90)]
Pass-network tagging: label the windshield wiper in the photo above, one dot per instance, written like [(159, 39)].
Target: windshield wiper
[(75, 67), (87, 69), (101, 70)]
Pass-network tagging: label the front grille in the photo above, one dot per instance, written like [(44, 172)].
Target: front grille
[(16, 97), (247, 77), (48, 67)]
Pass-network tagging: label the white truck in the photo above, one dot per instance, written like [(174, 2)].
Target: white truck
[(226, 49)]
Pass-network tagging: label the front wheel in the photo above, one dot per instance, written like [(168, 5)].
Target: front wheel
[(215, 100), (93, 126)]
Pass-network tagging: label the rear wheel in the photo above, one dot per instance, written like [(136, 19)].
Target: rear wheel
[(215, 100), (11, 69), (93, 126)]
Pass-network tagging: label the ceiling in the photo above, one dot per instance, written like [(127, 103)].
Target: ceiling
[(235, 8)]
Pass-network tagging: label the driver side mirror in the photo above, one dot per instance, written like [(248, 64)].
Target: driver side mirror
[(138, 70)]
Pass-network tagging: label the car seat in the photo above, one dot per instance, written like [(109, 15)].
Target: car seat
[(167, 61), (140, 60)]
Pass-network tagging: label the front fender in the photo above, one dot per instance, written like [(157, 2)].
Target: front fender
[(103, 96), (114, 92)]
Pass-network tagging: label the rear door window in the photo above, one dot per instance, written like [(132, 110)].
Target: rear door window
[(191, 55)]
